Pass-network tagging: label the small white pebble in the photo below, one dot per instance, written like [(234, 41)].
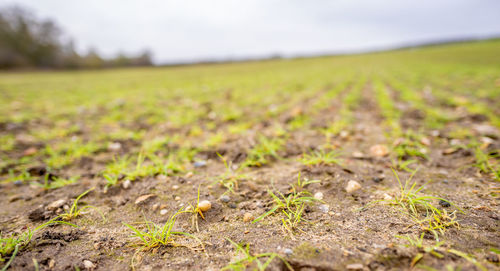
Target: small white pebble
[(324, 208), (288, 252), (352, 186), (177, 198), (354, 266), (379, 150), (56, 204), (357, 154), (88, 265), (114, 146), (163, 211), (318, 195), (387, 197), (175, 187), (126, 184)]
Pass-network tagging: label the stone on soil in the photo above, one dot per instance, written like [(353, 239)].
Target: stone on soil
[(318, 195), (324, 208), (200, 163), (144, 198), (126, 184), (354, 266), (379, 150), (225, 198), (56, 204), (352, 186), (89, 265), (247, 217)]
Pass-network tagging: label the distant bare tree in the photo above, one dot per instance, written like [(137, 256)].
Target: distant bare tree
[(28, 42)]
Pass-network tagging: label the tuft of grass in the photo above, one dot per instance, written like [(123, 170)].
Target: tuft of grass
[(56, 182), (485, 162), (423, 249), (387, 108), (68, 152), (154, 235), (468, 258), (291, 206), (111, 180), (245, 260), (413, 202), (11, 245), (321, 158), (410, 146), (437, 223), (147, 164), (141, 169), (230, 178), (195, 211), (23, 176), (404, 165), (420, 207), (75, 211), (266, 149)]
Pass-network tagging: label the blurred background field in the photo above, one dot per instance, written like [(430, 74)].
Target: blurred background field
[(370, 150)]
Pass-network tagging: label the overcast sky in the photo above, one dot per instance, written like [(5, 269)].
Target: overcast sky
[(187, 30)]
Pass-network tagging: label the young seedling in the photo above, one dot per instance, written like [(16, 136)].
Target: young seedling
[(245, 260), (412, 201), (468, 258), (68, 152), (75, 211), (201, 207), (420, 207), (172, 166), (291, 206), (401, 164), (423, 249), (439, 222), (410, 146), (155, 236), (141, 169), (262, 152), (293, 217), (111, 180), (230, 178), (23, 176), (56, 182), (10, 245), (321, 158), (485, 163)]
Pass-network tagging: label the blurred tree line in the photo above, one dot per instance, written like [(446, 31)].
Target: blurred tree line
[(26, 42)]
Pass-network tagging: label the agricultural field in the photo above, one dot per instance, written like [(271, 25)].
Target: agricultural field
[(382, 161)]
